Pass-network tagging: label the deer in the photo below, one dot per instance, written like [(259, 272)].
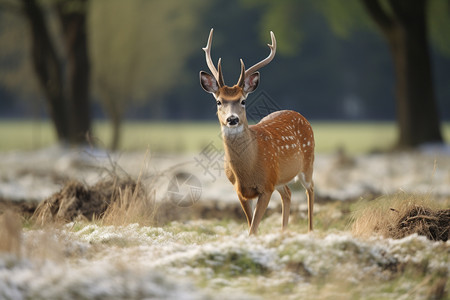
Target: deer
[(264, 157)]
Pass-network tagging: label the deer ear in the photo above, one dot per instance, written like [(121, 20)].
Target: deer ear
[(251, 83), (208, 82)]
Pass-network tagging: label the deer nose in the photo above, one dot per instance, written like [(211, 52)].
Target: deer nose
[(232, 120)]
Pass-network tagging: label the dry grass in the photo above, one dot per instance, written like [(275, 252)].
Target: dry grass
[(77, 201), (116, 200), (131, 204), (400, 215)]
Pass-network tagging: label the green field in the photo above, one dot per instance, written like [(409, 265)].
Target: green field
[(358, 137)]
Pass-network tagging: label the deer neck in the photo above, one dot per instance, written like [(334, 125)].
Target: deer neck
[(240, 146)]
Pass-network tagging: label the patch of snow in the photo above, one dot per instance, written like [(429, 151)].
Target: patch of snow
[(36, 175), (151, 262)]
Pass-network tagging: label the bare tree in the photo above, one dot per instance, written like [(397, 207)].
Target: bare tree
[(47, 67), (67, 93), (72, 16), (404, 24), (134, 58), (405, 29)]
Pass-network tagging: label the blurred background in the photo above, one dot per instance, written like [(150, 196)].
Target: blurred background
[(368, 72)]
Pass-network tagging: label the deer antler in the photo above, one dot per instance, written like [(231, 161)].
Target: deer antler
[(267, 60), (216, 73)]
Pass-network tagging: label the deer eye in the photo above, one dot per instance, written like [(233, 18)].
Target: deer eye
[(243, 102), (219, 103)]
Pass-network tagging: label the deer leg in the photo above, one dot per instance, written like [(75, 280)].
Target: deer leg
[(285, 194), (261, 206), (247, 208), (308, 184), (310, 196)]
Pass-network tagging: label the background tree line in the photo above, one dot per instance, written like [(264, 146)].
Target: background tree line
[(353, 59)]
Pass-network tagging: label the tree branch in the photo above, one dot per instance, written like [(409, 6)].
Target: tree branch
[(380, 16)]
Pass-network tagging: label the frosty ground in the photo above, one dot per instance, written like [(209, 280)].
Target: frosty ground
[(212, 257)]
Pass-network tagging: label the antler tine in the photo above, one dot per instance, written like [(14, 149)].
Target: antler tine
[(242, 76), (267, 60), (209, 62), (220, 80)]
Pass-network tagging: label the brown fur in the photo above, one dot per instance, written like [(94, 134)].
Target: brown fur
[(233, 93), (267, 156)]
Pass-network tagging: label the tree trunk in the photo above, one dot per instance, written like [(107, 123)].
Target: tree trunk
[(73, 21), (48, 69), (113, 109), (406, 33), (116, 126)]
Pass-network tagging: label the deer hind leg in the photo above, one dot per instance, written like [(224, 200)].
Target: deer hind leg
[(247, 208), (261, 206), (285, 194), (308, 184), (310, 196)]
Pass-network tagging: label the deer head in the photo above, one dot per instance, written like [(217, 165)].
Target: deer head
[(231, 100)]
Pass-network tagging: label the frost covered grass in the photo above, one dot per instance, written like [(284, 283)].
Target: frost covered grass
[(136, 250), (215, 259)]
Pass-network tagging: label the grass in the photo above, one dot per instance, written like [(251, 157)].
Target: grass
[(216, 255), (189, 137), (115, 253), (358, 137), (399, 215)]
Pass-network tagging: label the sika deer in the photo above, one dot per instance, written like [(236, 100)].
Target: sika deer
[(264, 157)]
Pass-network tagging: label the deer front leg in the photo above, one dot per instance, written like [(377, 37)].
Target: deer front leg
[(261, 206), (285, 194), (247, 208)]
